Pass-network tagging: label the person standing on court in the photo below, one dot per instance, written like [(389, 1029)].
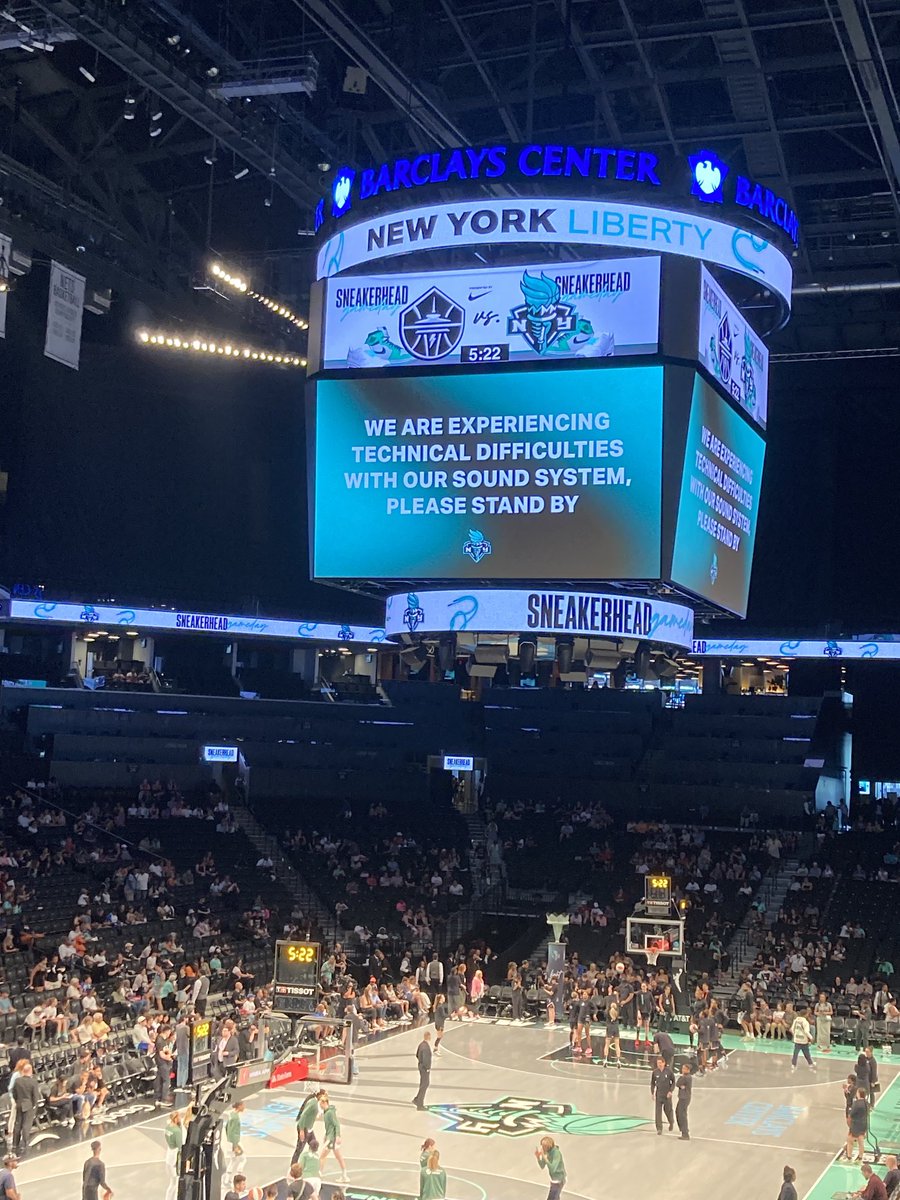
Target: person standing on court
[(662, 1085), (824, 1012), (423, 1059), (858, 1124), (802, 1035), (665, 1047), (93, 1177), (432, 1178), (440, 1014), (549, 1157), (892, 1175), (788, 1191), (306, 1119), (26, 1095), (684, 1085)]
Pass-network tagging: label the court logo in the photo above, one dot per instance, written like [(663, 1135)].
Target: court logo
[(432, 326), (543, 318), (477, 546), (518, 1116), (414, 613)]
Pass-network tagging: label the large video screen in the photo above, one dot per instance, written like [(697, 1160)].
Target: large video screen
[(543, 311), (719, 503), (731, 351), (550, 474)]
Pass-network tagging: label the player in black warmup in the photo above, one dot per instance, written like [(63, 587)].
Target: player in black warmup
[(612, 1035), (645, 1007), (684, 1085), (662, 1085)]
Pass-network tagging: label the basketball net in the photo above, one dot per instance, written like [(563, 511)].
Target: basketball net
[(652, 956)]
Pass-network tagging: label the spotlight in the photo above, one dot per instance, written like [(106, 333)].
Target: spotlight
[(173, 39), (157, 116), (89, 75), (210, 159), (243, 171), (324, 166), (155, 130), (212, 72)]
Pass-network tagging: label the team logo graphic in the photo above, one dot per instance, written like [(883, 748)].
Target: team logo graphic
[(714, 569), (724, 349), (543, 318), (477, 547), (748, 376), (340, 193), (346, 634), (432, 326), (517, 1116), (89, 613), (708, 173), (833, 650), (414, 613)]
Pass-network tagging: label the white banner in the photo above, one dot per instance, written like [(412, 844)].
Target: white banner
[(731, 351), (546, 311), (588, 614), (560, 222), (64, 311), (5, 250)]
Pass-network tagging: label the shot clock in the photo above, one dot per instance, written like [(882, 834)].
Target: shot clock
[(297, 965), (657, 893), (200, 1052)]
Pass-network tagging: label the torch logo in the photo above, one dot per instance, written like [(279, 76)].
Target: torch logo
[(542, 318)]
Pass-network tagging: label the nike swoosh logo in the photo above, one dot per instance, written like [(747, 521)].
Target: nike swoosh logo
[(477, 293)]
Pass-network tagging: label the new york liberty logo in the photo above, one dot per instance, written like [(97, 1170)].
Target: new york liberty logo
[(543, 318), (518, 1116), (477, 546), (414, 613)]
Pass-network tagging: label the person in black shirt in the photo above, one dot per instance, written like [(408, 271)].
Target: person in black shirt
[(611, 1041), (423, 1059), (440, 1019), (874, 1085), (859, 1124), (665, 1048), (645, 1008), (583, 1030), (26, 1095), (93, 1176), (684, 1085), (788, 1191), (662, 1084), (238, 1187)]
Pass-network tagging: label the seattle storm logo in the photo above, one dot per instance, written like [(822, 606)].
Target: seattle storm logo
[(477, 547), (414, 613), (543, 317), (724, 350), (432, 326)]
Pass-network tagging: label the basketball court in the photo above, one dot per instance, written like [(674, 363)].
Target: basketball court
[(496, 1089)]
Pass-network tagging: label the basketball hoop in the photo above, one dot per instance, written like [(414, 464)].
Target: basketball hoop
[(652, 956)]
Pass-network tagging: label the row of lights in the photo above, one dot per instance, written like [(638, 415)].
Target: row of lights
[(226, 349), (280, 310), (240, 285), (235, 281)]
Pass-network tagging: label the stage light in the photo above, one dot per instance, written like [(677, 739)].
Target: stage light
[(243, 171), (225, 349), (155, 130), (89, 75)]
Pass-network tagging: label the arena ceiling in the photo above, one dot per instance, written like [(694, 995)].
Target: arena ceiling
[(126, 127)]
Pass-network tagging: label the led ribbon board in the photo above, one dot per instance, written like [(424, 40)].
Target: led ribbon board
[(108, 616), (557, 221), (586, 614), (788, 648), (534, 312)]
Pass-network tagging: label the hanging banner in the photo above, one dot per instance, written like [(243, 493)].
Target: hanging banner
[(64, 310), (5, 250), (543, 311)]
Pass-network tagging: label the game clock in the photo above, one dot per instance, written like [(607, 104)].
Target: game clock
[(657, 891), (296, 988), (484, 354)]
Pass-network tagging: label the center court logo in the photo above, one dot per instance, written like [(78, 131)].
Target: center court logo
[(518, 1116)]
